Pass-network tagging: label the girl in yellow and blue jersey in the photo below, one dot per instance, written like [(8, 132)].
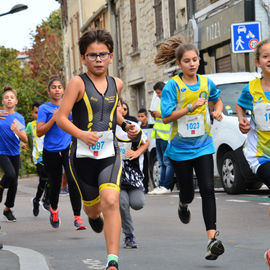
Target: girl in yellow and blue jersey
[(184, 104), (255, 97)]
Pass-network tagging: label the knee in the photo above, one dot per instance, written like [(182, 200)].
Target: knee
[(110, 202), (137, 205)]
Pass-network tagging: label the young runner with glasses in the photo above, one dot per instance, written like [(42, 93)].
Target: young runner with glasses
[(95, 160)]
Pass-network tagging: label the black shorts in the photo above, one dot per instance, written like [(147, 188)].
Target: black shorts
[(94, 175)]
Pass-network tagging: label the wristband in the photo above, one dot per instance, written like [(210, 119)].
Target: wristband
[(189, 106), (124, 124)]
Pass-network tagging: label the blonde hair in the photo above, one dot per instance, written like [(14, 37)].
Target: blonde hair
[(9, 88), (258, 47)]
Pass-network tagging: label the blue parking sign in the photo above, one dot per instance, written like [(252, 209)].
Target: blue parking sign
[(245, 36)]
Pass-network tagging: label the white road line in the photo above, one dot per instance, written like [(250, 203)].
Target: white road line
[(29, 259), (237, 201)]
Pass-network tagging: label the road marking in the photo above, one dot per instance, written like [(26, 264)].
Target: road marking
[(29, 259), (236, 201), (94, 264)]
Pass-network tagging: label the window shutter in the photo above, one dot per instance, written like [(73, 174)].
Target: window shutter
[(133, 22), (158, 17)]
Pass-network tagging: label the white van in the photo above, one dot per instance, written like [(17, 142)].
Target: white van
[(230, 164)]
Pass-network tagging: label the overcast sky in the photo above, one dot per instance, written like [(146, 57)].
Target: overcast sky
[(15, 28)]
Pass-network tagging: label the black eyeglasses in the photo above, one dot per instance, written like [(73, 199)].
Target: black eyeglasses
[(93, 56)]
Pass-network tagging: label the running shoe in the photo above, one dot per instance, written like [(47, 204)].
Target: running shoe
[(46, 205), (78, 223), (1, 194), (214, 249), (64, 191), (267, 257), (154, 191), (184, 214), (162, 190), (9, 215), (35, 207), (112, 265), (130, 242), (54, 219), (97, 224)]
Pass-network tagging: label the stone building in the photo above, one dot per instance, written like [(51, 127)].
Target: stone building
[(139, 26)]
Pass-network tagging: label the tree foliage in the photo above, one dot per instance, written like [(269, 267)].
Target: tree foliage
[(46, 55)]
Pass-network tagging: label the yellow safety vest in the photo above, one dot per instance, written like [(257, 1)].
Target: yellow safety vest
[(160, 130)]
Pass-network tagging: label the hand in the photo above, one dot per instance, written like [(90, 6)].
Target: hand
[(198, 103), (132, 154), (54, 114), (131, 131), (244, 125), (217, 115), (24, 146), (156, 114), (3, 114), (14, 127), (90, 138)]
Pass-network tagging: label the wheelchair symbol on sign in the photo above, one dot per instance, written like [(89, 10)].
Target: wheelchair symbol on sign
[(253, 43)]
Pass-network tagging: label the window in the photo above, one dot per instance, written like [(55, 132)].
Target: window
[(158, 17), (133, 22)]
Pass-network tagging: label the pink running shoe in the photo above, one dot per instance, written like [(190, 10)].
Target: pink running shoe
[(267, 257), (78, 223)]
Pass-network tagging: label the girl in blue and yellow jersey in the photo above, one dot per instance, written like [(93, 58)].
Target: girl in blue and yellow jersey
[(256, 97), (184, 104), (12, 131)]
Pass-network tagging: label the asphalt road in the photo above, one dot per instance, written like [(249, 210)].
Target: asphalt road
[(163, 241)]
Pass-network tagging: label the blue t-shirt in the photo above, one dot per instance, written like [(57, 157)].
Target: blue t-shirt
[(186, 148), (55, 139), (9, 141)]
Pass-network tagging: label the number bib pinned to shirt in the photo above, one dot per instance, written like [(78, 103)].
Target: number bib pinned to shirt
[(262, 116), (104, 148), (191, 125), (124, 147)]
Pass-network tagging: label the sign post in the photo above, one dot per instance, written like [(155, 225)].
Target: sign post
[(245, 36)]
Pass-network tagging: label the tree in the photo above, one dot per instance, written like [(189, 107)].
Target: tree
[(46, 55)]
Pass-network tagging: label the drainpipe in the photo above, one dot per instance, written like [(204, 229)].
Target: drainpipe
[(111, 6)]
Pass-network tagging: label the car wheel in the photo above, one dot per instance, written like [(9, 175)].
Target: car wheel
[(155, 172), (231, 177)]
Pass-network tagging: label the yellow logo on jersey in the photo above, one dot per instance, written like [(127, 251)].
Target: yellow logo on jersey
[(94, 99)]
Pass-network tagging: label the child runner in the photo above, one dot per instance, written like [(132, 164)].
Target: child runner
[(143, 120), (255, 97), (12, 131), (184, 103), (31, 130), (93, 98), (132, 189), (55, 154)]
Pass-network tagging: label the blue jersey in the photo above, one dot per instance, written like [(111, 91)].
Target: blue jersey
[(55, 139), (180, 148), (9, 141)]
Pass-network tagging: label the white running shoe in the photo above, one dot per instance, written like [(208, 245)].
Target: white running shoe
[(154, 191), (163, 190)]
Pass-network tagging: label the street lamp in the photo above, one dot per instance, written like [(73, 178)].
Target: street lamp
[(16, 8)]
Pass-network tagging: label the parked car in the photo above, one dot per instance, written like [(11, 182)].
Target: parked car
[(230, 164)]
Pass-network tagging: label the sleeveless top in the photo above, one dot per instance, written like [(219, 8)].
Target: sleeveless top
[(96, 111)]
